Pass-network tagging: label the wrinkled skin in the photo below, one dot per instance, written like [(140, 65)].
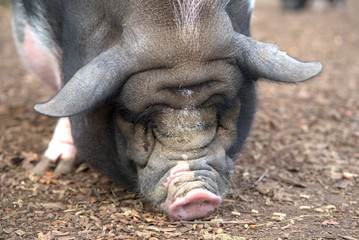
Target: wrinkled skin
[(160, 103)]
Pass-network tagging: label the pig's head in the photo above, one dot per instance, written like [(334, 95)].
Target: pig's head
[(180, 86)]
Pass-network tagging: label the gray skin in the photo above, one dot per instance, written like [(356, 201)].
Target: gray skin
[(150, 96)]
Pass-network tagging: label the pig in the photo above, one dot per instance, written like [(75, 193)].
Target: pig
[(159, 95)]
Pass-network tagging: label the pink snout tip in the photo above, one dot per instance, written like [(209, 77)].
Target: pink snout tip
[(196, 203)]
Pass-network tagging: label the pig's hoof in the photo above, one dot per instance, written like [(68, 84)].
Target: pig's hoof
[(43, 165), (197, 203), (62, 166), (66, 166), (59, 155)]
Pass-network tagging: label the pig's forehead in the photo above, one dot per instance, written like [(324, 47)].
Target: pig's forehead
[(185, 15), (174, 46), (194, 36)]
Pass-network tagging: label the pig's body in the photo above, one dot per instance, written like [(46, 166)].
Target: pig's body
[(160, 94)]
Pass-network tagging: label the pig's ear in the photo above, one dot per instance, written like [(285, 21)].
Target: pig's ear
[(90, 86), (267, 61)]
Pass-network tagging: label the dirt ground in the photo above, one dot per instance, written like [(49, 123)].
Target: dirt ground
[(296, 178)]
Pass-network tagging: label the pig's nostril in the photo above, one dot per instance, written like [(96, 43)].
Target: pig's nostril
[(187, 204)]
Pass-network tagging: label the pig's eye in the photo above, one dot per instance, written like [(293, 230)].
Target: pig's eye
[(216, 100), (133, 117)]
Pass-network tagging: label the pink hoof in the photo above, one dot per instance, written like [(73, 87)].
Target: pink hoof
[(196, 204)]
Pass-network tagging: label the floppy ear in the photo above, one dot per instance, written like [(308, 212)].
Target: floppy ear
[(267, 61), (91, 85)]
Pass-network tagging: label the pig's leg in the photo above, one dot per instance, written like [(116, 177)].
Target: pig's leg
[(38, 54)]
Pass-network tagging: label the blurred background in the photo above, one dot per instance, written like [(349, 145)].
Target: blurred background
[(305, 134), (316, 4)]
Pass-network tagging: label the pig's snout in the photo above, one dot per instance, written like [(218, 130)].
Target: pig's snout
[(183, 203), (196, 203)]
